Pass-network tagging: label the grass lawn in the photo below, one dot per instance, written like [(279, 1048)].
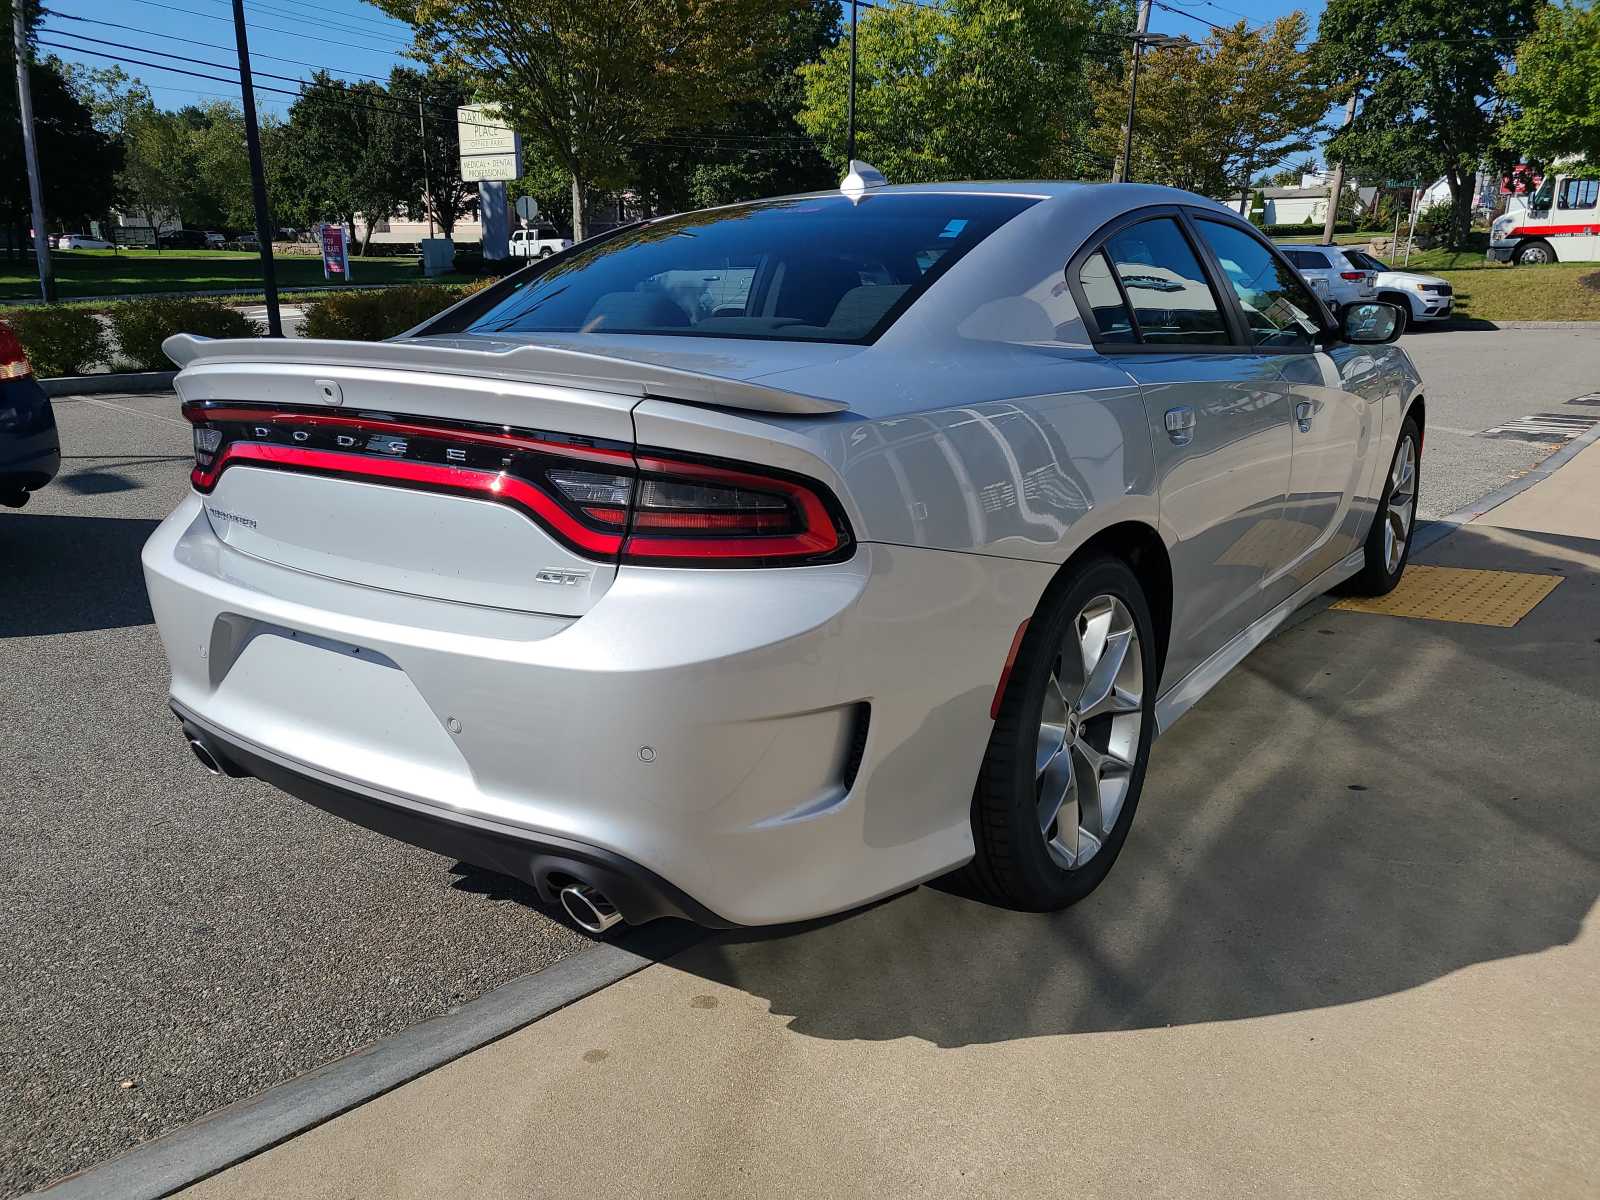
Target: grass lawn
[(82, 273), (1491, 292)]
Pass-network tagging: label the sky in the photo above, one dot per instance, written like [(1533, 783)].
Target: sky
[(355, 40)]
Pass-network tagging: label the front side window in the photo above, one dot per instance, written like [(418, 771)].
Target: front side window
[(1278, 306), (810, 269), (1579, 193), (1173, 303)]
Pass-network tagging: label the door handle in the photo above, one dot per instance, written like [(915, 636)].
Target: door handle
[(1180, 425), (1302, 415)]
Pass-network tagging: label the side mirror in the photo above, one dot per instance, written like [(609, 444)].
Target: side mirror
[(1370, 323)]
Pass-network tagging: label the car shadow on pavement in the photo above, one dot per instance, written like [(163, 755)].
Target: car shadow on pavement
[(61, 574), (1366, 805)]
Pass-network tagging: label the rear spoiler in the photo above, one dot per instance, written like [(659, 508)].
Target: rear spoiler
[(555, 365)]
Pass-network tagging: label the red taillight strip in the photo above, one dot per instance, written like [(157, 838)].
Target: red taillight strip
[(820, 536), (485, 485), (507, 441)]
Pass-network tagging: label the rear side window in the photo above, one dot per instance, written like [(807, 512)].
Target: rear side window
[(1277, 304), (1110, 313), (1173, 303), (1579, 193), (1306, 260)]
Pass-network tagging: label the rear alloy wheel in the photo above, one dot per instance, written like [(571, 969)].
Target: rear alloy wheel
[(1067, 757), (1534, 254), (1388, 546)]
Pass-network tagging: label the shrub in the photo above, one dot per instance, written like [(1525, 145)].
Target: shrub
[(140, 326), (60, 341), (372, 316), (1436, 221)]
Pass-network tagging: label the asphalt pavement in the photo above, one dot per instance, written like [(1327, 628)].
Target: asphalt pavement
[(1478, 379), (173, 943)]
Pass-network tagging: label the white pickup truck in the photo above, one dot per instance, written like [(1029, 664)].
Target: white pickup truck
[(539, 242)]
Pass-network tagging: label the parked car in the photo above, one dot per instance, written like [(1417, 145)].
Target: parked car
[(81, 241), (215, 240), (30, 450), (52, 239), (1420, 297), (767, 560), (539, 242), (1332, 275), (183, 239), (245, 241)]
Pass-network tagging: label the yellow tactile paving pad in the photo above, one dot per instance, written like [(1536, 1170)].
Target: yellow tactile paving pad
[(1500, 598)]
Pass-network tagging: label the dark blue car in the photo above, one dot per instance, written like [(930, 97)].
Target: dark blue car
[(30, 451)]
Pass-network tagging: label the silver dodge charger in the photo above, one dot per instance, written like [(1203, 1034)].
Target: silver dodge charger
[(751, 564)]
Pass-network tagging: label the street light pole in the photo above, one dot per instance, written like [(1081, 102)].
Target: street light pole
[(41, 244), (850, 112), (258, 175), (1127, 128)]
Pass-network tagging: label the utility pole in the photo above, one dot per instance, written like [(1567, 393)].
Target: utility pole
[(1337, 187), (258, 175), (41, 244), (427, 179), (1119, 173), (850, 117)]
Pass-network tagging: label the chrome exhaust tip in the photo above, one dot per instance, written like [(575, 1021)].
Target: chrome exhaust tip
[(588, 909), (207, 759)]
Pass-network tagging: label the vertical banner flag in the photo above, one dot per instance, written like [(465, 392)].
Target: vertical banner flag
[(335, 253)]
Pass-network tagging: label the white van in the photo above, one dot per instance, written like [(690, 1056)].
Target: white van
[(1560, 224)]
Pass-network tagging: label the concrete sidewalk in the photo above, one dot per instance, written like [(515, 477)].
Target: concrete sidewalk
[(1349, 951)]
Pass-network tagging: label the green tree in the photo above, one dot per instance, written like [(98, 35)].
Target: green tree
[(78, 163), (973, 89), (111, 95), (424, 144), (336, 159), (588, 82), (757, 148), (1555, 90), (1212, 115), (1426, 72), (219, 192), (156, 175)]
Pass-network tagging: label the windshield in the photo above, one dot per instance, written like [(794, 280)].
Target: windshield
[(813, 269)]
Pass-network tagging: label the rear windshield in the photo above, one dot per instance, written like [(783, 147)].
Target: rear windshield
[(814, 269)]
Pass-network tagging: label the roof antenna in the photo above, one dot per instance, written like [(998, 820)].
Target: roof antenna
[(862, 176)]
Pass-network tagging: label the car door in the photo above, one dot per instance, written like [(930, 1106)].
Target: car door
[(1578, 215), (1337, 418), (1218, 419)]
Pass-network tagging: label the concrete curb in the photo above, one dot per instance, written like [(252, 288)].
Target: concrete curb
[(243, 1130), (94, 385)]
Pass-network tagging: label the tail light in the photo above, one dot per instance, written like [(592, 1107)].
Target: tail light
[(1352, 276), (603, 500), (13, 358)]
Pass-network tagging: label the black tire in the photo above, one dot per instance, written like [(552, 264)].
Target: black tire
[(1013, 865), (546, 252), (1534, 253), (1377, 577), (1402, 304)]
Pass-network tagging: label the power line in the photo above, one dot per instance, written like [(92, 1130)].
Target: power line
[(254, 53), (294, 33)]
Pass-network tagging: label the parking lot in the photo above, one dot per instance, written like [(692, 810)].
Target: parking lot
[(173, 944)]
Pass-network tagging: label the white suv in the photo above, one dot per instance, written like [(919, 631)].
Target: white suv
[(539, 242), (1420, 297), (1331, 275)]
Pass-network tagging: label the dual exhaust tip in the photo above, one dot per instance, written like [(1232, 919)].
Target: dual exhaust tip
[(588, 908)]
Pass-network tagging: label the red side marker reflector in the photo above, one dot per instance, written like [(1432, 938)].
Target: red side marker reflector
[(1005, 673)]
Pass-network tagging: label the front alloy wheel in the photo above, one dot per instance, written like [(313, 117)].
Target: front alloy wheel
[(1388, 544)]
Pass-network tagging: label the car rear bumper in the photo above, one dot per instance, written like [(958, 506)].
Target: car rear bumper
[(30, 448), (757, 746)]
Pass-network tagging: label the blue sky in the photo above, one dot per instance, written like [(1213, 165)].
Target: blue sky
[(354, 39)]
